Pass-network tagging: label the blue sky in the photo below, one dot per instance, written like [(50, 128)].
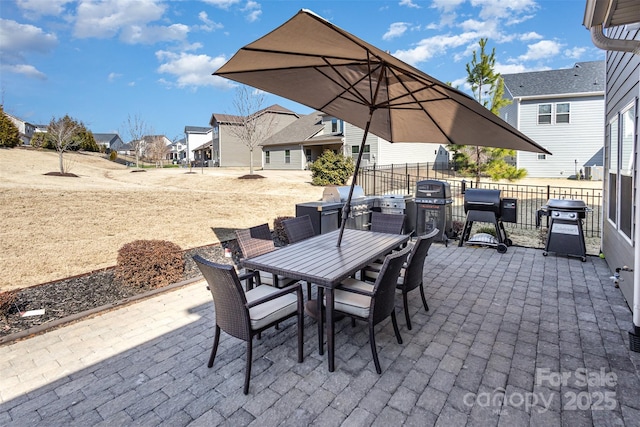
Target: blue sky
[(103, 61)]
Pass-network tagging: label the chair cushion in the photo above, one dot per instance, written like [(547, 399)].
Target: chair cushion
[(267, 279), (269, 312), (352, 303), (373, 275)]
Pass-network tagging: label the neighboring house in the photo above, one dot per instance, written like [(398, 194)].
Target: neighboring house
[(561, 110), (300, 144), (111, 141), (197, 138), (178, 151), (620, 229), (26, 129), (230, 151)]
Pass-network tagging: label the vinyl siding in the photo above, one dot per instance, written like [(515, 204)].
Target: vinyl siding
[(234, 153), (385, 153), (277, 158), (578, 140), (623, 74)]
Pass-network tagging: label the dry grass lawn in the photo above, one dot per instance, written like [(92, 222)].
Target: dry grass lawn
[(55, 227)]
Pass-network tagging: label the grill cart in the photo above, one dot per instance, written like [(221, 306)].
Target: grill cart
[(565, 233)]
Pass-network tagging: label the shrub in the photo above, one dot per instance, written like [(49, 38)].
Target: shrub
[(278, 229), (331, 169), (487, 230), (7, 299), (113, 156), (149, 264)]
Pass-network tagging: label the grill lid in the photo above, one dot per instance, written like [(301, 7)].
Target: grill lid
[(481, 199), (341, 193), (566, 205)]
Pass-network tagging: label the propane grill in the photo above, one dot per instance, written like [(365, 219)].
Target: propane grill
[(484, 205), (565, 233)]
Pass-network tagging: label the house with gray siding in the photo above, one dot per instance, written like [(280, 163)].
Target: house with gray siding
[(110, 141), (228, 148), (615, 28), (563, 111)]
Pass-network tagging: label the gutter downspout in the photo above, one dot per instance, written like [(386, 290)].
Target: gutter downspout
[(601, 41)]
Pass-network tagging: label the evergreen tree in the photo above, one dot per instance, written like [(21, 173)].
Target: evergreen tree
[(9, 132), (488, 89)]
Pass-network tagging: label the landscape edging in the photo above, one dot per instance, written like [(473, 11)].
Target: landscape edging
[(36, 330)]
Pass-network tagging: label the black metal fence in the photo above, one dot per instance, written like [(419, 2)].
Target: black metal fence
[(402, 179)]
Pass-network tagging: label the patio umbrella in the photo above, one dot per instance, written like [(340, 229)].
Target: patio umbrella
[(311, 61)]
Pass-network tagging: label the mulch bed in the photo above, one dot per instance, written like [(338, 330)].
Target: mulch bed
[(71, 296)]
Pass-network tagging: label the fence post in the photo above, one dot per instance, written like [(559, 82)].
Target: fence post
[(548, 192), (375, 190)]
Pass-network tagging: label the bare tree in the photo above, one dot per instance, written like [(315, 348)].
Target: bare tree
[(137, 128), (254, 124), (156, 148), (64, 134)]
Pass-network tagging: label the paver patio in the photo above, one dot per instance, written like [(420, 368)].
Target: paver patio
[(516, 339)]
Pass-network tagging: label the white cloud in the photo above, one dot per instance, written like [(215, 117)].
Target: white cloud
[(222, 4), (396, 29), (192, 70), (135, 34), (529, 36), (433, 46), (253, 9), (209, 25), (409, 3), (43, 7), (446, 5), (24, 69), (497, 9), (542, 50), (16, 38), (113, 77), (575, 53), (126, 17)]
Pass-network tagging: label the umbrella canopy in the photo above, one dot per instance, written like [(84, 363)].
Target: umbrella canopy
[(313, 62)]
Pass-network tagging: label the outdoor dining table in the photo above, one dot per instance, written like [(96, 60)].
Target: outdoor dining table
[(319, 260)]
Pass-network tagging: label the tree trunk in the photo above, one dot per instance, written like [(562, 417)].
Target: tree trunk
[(61, 161), (251, 161)]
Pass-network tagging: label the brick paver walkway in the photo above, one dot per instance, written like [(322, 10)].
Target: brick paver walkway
[(516, 339)]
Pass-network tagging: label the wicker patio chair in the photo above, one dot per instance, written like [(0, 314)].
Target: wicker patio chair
[(245, 314), (257, 241), (387, 223), (373, 302), (411, 276), (297, 229)]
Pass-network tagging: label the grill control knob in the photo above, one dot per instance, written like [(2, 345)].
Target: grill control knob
[(556, 214), (572, 215)]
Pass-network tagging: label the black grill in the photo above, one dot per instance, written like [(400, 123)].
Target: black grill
[(485, 205), (565, 233)]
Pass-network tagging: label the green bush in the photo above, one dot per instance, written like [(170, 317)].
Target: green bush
[(149, 264), (331, 169), (113, 156)]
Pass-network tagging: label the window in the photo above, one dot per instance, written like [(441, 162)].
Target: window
[(620, 205), (544, 114), (365, 154), (267, 157), (287, 156), (562, 112), (334, 125), (542, 156), (308, 154)]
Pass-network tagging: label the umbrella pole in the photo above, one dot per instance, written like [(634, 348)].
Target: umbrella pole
[(346, 209)]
